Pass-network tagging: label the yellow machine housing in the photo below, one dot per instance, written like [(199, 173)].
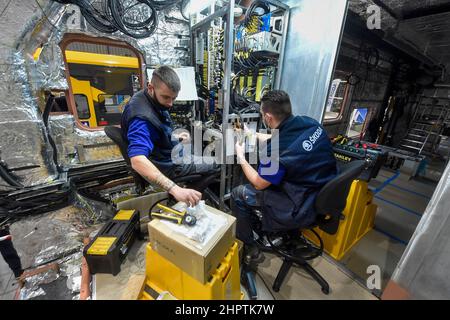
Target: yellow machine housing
[(359, 219), (163, 276), (97, 79)]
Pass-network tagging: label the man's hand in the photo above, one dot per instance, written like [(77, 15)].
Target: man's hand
[(240, 150), (184, 137), (189, 196), (247, 131)]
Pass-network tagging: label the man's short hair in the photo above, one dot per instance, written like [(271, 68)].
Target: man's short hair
[(168, 76), (278, 103)]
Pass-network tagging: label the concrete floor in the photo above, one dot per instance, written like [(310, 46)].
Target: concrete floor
[(400, 207), (297, 286)]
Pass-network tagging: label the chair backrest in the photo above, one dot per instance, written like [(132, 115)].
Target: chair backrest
[(332, 198), (115, 134)]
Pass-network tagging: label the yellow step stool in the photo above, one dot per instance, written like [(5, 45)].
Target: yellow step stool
[(162, 276), (359, 219)]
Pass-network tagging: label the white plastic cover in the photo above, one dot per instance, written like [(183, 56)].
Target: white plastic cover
[(425, 264), (207, 225)]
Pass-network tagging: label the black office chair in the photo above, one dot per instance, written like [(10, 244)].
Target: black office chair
[(293, 247), (115, 134)]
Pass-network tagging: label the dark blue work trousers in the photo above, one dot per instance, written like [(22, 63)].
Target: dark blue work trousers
[(244, 200)]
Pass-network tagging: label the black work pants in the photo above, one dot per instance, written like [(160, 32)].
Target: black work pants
[(244, 200), (207, 172)]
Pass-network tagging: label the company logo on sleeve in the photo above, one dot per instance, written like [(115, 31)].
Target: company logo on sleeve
[(308, 145)]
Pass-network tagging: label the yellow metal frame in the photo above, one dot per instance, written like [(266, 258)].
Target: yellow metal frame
[(91, 93), (97, 59), (37, 53), (84, 86)]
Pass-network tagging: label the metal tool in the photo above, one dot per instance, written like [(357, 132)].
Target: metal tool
[(178, 217)]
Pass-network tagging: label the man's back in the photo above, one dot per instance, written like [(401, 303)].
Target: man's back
[(306, 156)]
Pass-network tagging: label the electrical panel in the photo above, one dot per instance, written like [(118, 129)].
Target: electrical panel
[(257, 41), (264, 43), (253, 46)]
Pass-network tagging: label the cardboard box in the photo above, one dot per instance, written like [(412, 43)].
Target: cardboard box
[(184, 252)]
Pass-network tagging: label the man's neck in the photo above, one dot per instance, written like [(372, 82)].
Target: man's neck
[(280, 123)]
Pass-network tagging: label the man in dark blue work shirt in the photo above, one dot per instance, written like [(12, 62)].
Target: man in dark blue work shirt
[(305, 161), (147, 127)]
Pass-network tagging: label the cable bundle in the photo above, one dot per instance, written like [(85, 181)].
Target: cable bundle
[(252, 17), (240, 104), (245, 60), (135, 18)]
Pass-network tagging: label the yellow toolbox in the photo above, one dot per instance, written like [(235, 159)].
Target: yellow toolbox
[(162, 276), (359, 219), (106, 252)]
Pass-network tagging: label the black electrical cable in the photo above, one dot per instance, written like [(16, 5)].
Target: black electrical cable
[(9, 187), (45, 116), (251, 11), (15, 209), (183, 8), (137, 30), (161, 5), (100, 20), (4, 8), (117, 15), (8, 177)]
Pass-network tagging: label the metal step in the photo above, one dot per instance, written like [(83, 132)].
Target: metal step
[(421, 130), (422, 126), (413, 141), (416, 135), (409, 147)]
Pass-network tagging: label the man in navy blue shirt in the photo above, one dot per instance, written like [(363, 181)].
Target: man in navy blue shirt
[(147, 127), (301, 162)]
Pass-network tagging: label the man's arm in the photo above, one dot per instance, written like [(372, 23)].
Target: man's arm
[(252, 175), (263, 136), (139, 148), (260, 136), (150, 172)]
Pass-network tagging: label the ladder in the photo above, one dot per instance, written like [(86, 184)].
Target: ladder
[(426, 127)]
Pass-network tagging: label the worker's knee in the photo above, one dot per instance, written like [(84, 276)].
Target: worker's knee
[(238, 193)]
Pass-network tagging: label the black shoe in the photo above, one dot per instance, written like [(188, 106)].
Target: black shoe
[(252, 255), (18, 273)]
